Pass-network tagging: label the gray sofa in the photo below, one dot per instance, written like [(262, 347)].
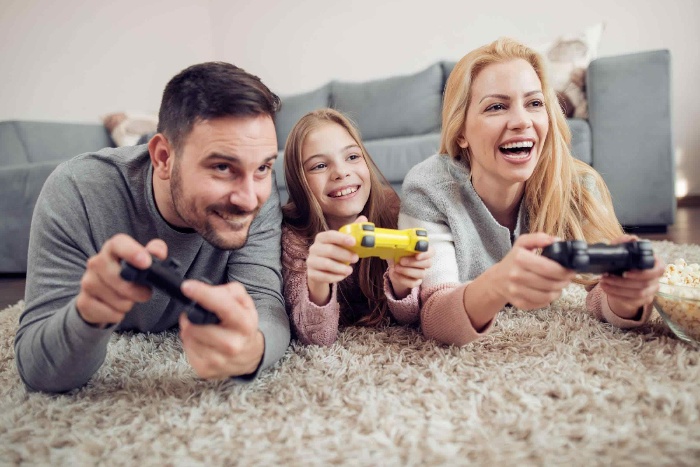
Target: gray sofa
[(627, 138)]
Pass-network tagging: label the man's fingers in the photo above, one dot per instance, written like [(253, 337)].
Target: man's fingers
[(157, 248), (122, 246), (225, 302)]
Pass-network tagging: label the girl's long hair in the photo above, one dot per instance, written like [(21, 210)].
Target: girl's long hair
[(564, 197), (303, 215)]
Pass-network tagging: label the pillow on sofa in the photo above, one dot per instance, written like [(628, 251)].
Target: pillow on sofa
[(568, 58), (127, 128), (398, 106), (296, 106)]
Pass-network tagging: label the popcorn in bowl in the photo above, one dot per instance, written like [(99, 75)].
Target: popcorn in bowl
[(678, 299)]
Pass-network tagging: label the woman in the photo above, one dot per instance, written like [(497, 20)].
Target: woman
[(503, 186)]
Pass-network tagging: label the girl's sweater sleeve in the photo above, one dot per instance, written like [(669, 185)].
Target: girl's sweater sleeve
[(597, 305), (311, 323), (405, 310)]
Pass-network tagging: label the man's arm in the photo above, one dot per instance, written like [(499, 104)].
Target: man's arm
[(257, 266), (55, 349)]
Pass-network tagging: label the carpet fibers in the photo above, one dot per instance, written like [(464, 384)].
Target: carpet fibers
[(548, 387)]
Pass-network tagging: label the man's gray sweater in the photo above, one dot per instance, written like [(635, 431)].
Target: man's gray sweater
[(84, 202)]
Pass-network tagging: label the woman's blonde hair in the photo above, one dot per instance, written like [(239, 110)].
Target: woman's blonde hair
[(564, 197), (303, 214)]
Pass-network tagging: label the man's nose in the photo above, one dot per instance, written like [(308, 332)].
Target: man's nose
[(244, 196)]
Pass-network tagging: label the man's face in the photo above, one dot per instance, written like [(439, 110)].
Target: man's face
[(221, 177)]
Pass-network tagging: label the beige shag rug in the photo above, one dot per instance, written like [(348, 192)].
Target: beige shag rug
[(549, 387)]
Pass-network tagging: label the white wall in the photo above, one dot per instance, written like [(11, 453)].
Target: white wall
[(297, 46), (72, 60)]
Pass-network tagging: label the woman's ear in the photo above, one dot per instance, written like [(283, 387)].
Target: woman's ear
[(462, 141), (162, 156)]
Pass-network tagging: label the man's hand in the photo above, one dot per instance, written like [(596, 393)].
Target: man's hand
[(104, 297), (233, 347)]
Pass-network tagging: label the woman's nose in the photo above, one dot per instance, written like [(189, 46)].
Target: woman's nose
[(519, 118)]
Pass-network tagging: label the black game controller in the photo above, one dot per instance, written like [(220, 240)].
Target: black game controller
[(599, 257), (164, 276)]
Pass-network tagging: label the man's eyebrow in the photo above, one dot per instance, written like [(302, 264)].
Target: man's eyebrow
[(507, 98), (235, 160)]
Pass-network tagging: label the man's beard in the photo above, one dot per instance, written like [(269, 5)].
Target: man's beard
[(202, 225)]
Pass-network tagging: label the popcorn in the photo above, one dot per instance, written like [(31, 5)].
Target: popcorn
[(680, 307), (682, 273)]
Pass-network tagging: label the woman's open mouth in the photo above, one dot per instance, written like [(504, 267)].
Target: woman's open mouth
[(519, 151)]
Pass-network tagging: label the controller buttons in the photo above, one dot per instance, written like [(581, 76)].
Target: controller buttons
[(422, 245), (368, 227), (368, 241), (421, 233)]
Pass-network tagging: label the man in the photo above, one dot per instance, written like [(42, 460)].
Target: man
[(199, 192)]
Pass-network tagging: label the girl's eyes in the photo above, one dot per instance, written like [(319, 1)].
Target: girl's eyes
[(354, 157), (318, 166)]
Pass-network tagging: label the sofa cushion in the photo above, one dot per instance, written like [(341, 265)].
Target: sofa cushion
[(399, 106), (296, 106), (580, 139), (49, 141), (447, 67)]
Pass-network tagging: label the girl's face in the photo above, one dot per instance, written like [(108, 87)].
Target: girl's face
[(336, 172), (506, 125)]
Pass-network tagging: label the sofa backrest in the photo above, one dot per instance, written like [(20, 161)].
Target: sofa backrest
[(23, 142), (404, 105)]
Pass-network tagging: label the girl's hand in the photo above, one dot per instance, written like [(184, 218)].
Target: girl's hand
[(528, 280), (634, 289), (328, 262), (409, 272)]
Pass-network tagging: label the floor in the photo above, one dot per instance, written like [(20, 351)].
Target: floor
[(685, 230)]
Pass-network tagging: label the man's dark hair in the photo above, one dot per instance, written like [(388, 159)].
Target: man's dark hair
[(211, 90)]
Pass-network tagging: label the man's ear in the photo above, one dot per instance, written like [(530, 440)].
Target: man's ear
[(162, 156)]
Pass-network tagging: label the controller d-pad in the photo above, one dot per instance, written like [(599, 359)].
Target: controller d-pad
[(368, 241), (422, 245)]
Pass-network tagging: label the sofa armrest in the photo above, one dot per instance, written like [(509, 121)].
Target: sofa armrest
[(629, 105), (20, 186)]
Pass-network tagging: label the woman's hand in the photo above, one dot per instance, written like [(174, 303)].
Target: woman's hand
[(634, 289), (409, 272), (528, 280)]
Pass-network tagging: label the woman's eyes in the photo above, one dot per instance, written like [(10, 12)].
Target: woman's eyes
[(497, 107), (354, 157)]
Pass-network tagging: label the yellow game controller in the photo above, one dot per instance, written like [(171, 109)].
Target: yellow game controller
[(386, 243)]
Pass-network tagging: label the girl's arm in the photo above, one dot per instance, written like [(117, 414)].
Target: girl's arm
[(311, 279), (312, 324), (402, 282)]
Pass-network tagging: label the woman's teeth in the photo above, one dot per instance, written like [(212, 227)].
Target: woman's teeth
[(517, 150)]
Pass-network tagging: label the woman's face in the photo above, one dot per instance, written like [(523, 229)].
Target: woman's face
[(506, 125), (336, 172)]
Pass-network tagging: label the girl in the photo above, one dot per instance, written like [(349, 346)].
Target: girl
[(332, 181), (504, 169)]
